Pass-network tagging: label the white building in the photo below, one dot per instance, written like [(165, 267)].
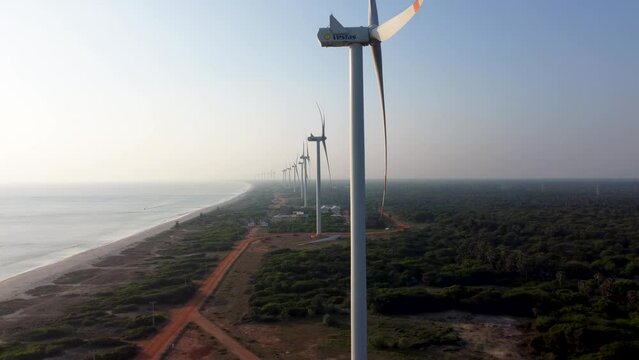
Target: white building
[(331, 209)]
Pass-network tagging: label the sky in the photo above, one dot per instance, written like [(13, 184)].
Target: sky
[(187, 90)]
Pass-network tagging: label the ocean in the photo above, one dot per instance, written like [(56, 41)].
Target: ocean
[(42, 224)]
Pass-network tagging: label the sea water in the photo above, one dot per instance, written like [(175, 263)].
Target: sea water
[(42, 224)]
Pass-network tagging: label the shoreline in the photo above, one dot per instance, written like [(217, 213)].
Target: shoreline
[(17, 285)]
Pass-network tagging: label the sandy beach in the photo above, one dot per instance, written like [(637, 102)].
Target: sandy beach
[(16, 286)]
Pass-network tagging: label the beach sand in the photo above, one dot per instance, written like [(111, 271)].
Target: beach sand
[(16, 286)]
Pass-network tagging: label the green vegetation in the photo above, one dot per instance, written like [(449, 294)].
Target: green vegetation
[(300, 284), (406, 335), (121, 352), (47, 333), (18, 351), (556, 254)]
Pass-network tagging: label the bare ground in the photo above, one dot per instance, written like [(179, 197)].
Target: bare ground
[(196, 344), (486, 336)]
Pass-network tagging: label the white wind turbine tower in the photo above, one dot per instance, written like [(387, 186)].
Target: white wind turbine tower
[(307, 160), (284, 177), (301, 166), (355, 38), (295, 174), (318, 177), (304, 172)]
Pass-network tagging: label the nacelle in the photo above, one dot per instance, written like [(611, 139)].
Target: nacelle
[(345, 37)]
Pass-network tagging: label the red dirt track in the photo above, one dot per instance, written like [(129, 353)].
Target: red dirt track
[(155, 347), (224, 338), (398, 224)]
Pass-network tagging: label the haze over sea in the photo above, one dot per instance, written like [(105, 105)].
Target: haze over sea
[(42, 224)]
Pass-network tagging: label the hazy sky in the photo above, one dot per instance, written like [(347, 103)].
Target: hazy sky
[(196, 90)]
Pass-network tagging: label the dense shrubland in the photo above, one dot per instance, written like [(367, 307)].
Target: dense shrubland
[(552, 252)]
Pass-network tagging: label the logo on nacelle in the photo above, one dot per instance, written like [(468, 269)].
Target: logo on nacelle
[(344, 37), (327, 36)]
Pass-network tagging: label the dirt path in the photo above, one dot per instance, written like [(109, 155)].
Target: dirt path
[(398, 224), (225, 339), (155, 347)]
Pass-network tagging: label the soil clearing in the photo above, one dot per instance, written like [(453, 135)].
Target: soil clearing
[(486, 336)]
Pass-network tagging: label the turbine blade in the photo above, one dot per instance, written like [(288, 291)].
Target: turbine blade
[(320, 111), (322, 118), (319, 108), (330, 176), (377, 62), (323, 126), (388, 29), (373, 19)]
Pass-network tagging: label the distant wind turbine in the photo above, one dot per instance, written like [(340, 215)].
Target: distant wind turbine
[(337, 35), (305, 159), (318, 177), (301, 166), (295, 174)]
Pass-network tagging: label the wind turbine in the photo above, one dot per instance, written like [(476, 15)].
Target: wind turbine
[(308, 161), (355, 38), (295, 174), (304, 158), (284, 177), (301, 166), (318, 177)]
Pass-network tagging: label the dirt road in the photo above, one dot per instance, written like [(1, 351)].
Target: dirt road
[(155, 347), (224, 338), (398, 224)]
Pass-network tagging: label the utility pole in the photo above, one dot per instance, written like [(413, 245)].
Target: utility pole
[(152, 315)]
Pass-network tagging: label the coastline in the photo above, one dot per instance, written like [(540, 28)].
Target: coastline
[(16, 286)]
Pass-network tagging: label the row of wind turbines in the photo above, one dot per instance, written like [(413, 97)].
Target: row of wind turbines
[(337, 35), (301, 178)]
